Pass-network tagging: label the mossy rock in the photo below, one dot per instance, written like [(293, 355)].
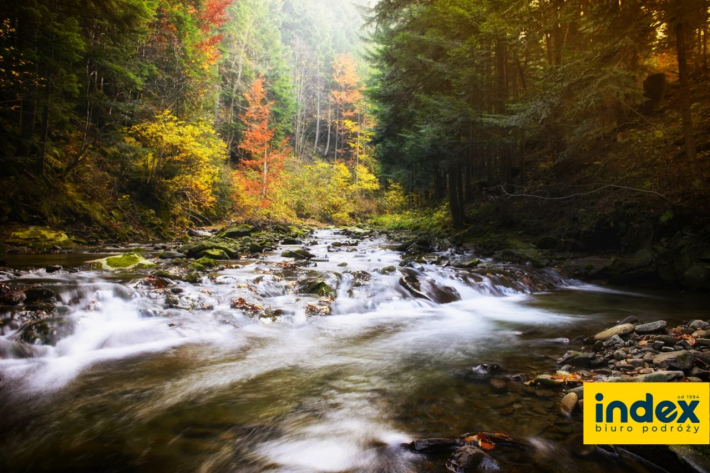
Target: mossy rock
[(207, 262), (214, 254), (298, 254), (125, 261), (388, 270), (237, 232), (317, 287), (47, 331), (472, 263), (39, 238), (196, 251)]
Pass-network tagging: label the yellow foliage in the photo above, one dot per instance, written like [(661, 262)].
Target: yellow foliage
[(180, 160)]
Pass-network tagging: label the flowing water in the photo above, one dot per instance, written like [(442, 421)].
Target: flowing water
[(194, 385)]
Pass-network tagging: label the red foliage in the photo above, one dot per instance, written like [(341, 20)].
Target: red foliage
[(265, 161), (214, 14)]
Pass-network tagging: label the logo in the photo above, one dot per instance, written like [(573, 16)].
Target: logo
[(647, 413)]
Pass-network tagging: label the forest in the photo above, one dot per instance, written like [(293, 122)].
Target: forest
[(351, 235)]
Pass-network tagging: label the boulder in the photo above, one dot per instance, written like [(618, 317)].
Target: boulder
[(622, 329), (680, 360), (39, 294), (657, 326), (419, 286), (237, 232), (660, 377), (298, 254), (316, 287), (214, 254)]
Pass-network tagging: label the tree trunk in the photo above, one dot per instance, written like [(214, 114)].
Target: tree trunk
[(315, 144), (327, 144)]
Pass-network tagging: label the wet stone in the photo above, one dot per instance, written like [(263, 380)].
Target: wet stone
[(651, 327), (618, 330)]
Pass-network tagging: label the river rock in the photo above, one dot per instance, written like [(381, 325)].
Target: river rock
[(53, 268), (698, 325), (612, 342), (569, 402), (317, 287), (196, 250), (472, 263), (469, 459), (618, 330), (10, 296), (435, 445), (579, 391), (298, 254), (499, 385), (214, 254), (631, 319), (681, 360), (580, 359), (660, 377), (668, 340), (420, 286), (46, 331), (39, 294), (239, 231), (652, 327), (171, 255)]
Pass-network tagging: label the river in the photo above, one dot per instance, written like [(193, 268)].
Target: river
[(141, 384)]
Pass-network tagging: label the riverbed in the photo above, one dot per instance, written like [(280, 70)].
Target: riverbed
[(152, 378)]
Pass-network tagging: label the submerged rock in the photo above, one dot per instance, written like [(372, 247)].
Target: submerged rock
[(9, 296), (435, 445), (469, 459), (298, 254), (317, 287), (419, 286), (47, 331), (39, 294)]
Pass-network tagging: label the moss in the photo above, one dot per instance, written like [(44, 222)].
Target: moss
[(128, 260), (207, 262), (39, 238), (214, 253), (123, 261)]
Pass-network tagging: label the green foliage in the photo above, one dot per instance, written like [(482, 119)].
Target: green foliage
[(430, 220)]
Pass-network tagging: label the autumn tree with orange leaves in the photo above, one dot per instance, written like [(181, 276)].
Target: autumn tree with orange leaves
[(260, 172), (347, 97)]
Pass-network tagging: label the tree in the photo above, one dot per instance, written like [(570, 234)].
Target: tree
[(178, 162), (261, 170), (347, 97)]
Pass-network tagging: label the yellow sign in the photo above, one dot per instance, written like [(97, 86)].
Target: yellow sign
[(646, 413)]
